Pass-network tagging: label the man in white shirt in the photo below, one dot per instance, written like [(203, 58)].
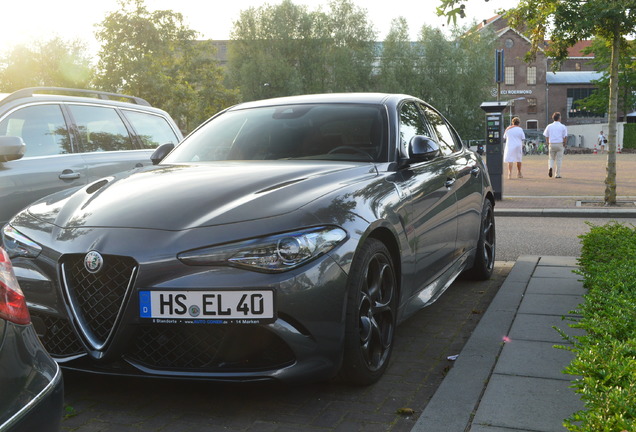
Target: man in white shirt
[(556, 135)]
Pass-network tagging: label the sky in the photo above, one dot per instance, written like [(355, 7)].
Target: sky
[(27, 21)]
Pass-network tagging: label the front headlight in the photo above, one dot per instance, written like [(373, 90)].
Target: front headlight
[(18, 245), (276, 253)]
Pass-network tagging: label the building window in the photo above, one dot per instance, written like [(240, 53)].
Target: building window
[(575, 106), (510, 75), (532, 75), (532, 105), (532, 124)]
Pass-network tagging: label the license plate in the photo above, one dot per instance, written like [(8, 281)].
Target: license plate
[(208, 307)]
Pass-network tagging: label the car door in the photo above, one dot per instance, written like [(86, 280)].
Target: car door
[(468, 185), (152, 130), (433, 222), (49, 163), (106, 145)]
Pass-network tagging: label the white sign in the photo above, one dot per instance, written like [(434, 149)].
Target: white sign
[(516, 92)]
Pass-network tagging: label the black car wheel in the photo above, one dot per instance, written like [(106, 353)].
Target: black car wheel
[(371, 315), (485, 259)]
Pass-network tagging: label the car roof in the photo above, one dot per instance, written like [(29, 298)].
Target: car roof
[(62, 94), (358, 98), (74, 93)]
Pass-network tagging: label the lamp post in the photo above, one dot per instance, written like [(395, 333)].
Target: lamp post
[(511, 103)]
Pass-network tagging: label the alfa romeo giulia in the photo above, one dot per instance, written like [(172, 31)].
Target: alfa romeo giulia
[(282, 239)]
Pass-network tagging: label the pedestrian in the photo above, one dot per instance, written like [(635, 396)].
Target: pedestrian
[(513, 153), (602, 140), (556, 135)]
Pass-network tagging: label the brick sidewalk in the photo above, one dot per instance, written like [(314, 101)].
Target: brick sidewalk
[(583, 177)]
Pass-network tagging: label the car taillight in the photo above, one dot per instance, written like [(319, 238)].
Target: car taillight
[(12, 303)]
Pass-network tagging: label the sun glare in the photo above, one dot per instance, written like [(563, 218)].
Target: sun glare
[(24, 23)]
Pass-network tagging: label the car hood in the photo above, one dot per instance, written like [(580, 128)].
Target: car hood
[(179, 197)]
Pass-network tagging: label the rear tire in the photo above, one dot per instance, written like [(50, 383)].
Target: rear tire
[(486, 245), (371, 315)]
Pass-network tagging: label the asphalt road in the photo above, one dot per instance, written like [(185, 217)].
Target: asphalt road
[(517, 236)]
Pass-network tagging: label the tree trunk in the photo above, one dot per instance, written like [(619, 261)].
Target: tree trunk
[(610, 179)]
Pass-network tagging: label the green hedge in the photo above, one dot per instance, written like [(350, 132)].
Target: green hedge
[(605, 358), (629, 136)]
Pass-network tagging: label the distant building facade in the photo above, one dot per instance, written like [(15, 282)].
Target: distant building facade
[(534, 91)]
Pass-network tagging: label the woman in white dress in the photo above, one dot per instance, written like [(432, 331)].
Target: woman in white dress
[(513, 152)]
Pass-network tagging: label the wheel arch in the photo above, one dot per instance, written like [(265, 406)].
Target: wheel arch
[(385, 236), (490, 196)]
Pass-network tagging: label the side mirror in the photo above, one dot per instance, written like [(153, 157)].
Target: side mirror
[(423, 148), (11, 148), (161, 152)]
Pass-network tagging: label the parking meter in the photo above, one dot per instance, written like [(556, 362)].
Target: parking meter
[(494, 144)]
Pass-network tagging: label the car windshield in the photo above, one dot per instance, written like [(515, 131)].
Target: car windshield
[(318, 131)]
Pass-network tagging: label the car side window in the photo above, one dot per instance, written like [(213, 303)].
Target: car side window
[(153, 130), (447, 139), (411, 124), (41, 127), (101, 128)]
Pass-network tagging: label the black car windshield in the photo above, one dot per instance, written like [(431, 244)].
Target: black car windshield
[(315, 131)]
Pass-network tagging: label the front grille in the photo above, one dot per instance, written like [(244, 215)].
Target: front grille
[(209, 348), (56, 335), (97, 297)]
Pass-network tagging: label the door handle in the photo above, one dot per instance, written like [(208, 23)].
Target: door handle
[(450, 182), (68, 174), (475, 171)]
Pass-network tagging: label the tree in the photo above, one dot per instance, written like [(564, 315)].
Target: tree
[(270, 50), (53, 63), (450, 75), (397, 60), (568, 21), (597, 102), (155, 56), (286, 49), (352, 47)]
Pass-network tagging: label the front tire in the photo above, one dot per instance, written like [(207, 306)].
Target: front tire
[(486, 245), (371, 315)]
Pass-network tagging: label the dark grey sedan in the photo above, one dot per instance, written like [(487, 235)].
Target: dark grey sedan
[(283, 239)]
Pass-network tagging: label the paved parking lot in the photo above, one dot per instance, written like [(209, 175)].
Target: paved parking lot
[(419, 363), (583, 175)]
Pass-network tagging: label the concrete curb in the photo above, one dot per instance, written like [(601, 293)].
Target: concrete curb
[(575, 212)]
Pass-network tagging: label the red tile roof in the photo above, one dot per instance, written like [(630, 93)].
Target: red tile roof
[(573, 51), (485, 22), (577, 49)]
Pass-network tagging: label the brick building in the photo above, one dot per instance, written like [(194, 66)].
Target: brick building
[(534, 91)]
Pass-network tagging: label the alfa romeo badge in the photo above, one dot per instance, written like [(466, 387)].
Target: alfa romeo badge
[(93, 262)]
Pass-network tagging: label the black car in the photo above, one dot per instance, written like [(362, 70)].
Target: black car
[(32, 389), (57, 138), (283, 239)]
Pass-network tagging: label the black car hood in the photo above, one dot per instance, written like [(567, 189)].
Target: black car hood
[(186, 196)]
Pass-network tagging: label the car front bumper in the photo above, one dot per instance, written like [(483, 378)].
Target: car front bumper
[(304, 342)]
